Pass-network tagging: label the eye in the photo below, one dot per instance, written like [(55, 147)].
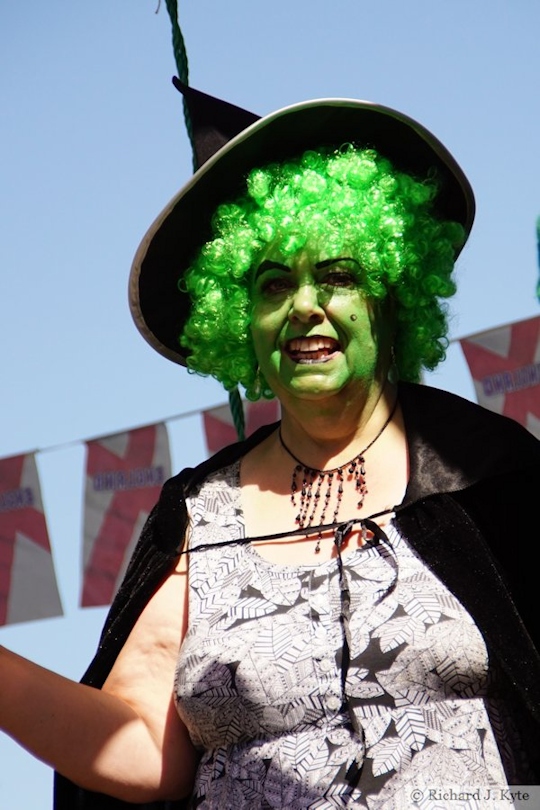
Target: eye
[(342, 272), (275, 285), (340, 278)]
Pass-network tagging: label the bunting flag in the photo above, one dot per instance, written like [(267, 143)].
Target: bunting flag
[(219, 430), (124, 475), (538, 254), (28, 588), (505, 366)]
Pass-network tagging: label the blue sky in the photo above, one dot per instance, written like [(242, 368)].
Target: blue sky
[(93, 146)]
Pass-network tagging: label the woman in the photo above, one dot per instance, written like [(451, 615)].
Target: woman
[(334, 599)]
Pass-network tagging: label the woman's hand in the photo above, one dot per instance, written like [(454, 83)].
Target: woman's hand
[(125, 740)]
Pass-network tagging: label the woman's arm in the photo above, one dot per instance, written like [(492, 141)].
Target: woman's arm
[(125, 740)]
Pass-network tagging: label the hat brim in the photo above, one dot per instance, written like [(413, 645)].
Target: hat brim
[(160, 309)]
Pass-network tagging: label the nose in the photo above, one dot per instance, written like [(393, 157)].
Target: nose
[(305, 305)]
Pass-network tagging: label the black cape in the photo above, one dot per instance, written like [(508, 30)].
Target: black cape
[(469, 511)]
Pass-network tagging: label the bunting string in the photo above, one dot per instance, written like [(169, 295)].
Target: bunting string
[(125, 471)]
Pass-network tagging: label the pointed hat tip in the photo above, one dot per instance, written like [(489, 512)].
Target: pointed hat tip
[(213, 122)]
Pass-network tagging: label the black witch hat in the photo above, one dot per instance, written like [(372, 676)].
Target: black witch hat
[(228, 142)]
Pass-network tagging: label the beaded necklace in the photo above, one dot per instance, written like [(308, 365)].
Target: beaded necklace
[(314, 481)]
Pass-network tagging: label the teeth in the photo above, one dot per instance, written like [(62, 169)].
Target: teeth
[(313, 344)]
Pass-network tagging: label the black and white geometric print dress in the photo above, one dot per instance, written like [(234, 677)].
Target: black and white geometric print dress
[(260, 686)]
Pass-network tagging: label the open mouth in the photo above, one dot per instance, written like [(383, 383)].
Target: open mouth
[(316, 349)]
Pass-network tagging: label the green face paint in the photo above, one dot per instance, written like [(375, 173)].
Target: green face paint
[(349, 197), (314, 332)]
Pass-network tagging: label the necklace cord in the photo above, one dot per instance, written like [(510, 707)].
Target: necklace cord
[(341, 529), (313, 487), (346, 463)]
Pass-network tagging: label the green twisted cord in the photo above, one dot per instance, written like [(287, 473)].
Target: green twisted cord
[(180, 57), (237, 411)]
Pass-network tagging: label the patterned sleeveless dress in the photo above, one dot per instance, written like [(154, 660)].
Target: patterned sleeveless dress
[(260, 678)]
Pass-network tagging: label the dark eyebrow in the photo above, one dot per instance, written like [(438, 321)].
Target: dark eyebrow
[(328, 262), (268, 264)]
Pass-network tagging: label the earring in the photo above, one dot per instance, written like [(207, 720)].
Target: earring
[(257, 381), (393, 371), (354, 317)]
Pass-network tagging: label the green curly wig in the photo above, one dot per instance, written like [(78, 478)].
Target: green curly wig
[(348, 198)]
